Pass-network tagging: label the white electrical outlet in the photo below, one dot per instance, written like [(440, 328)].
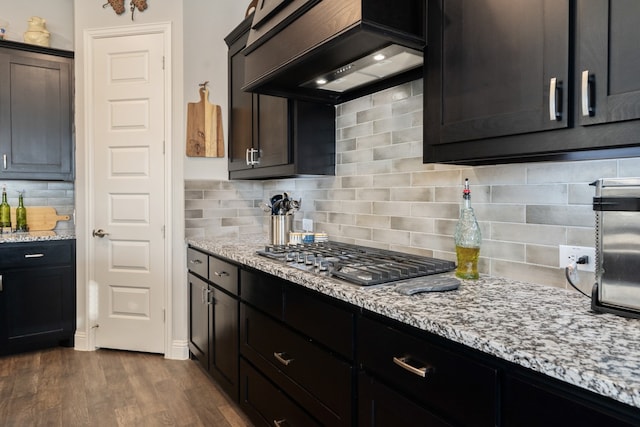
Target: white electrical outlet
[(569, 254), (307, 225)]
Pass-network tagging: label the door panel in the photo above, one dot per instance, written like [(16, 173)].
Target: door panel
[(608, 61), (498, 61), (128, 191)]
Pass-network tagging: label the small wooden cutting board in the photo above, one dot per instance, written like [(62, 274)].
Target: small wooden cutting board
[(204, 128), (40, 218)]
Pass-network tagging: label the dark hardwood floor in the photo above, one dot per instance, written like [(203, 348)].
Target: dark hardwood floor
[(64, 387)]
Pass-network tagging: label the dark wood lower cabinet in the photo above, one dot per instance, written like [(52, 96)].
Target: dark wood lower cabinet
[(381, 406), (531, 401), (213, 318), (295, 357), (266, 405), (37, 295)]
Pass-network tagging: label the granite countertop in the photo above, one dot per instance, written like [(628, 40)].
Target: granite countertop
[(546, 329), (37, 236)]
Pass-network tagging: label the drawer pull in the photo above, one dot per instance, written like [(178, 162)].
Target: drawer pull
[(33, 255), (280, 423), (221, 274), (403, 362), (1, 287), (195, 261), (280, 357)]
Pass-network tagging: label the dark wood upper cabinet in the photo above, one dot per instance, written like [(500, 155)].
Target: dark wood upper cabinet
[(503, 64), (608, 65), (504, 68), (36, 113), (531, 81), (272, 137)]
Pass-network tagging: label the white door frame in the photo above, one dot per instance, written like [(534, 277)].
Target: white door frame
[(85, 335)]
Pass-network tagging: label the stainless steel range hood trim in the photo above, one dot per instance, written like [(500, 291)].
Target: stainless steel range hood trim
[(279, 63)]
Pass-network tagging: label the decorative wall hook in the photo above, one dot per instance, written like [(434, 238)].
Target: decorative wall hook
[(118, 6)]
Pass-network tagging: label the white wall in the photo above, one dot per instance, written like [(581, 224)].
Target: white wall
[(58, 14), (206, 24)]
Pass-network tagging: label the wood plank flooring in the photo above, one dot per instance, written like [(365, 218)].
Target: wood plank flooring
[(64, 387)]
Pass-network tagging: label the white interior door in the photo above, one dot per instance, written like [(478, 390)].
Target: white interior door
[(127, 191)]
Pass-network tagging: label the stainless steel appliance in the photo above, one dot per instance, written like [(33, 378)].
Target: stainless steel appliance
[(617, 207), (359, 265)]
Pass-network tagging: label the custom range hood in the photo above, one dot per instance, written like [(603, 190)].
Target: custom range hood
[(334, 50)]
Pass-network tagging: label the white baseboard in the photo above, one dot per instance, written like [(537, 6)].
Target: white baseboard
[(81, 342), (179, 350)]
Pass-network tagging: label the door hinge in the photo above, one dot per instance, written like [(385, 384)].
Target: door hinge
[(164, 143), (163, 62), (163, 231), (164, 315)]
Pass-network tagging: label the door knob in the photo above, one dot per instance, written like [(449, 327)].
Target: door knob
[(99, 233)]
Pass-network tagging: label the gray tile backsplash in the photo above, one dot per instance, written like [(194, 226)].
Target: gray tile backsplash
[(384, 196), (57, 194)]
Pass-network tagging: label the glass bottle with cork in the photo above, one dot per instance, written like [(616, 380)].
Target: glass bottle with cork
[(467, 238), (5, 212), (21, 213)]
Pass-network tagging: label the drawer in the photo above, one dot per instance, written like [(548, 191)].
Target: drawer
[(267, 405), (322, 320), (262, 291), (380, 406), (314, 369), (197, 262), (453, 387), (224, 274), (37, 254)]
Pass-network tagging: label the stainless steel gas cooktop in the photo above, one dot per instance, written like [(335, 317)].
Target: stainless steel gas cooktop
[(360, 265)]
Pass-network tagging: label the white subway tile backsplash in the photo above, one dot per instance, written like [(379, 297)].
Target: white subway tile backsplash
[(377, 140), (377, 113), (564, 172), (576, 215), (375, 167), (526, 194), (384, 196), (528, 233), (627, 168), (392, 180)]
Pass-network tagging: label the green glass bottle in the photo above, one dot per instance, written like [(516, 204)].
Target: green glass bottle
[(5, 211), (21, 214)]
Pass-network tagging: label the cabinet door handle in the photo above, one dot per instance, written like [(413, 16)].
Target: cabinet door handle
[(221, 274), (403, 362), (4, 160), (33, 255), (202, 295), (246, 157), (554, 92), (1, 287), (280, 423), (587, 106), (280, 357)]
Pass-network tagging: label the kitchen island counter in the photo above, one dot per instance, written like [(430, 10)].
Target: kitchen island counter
[(549, 330)]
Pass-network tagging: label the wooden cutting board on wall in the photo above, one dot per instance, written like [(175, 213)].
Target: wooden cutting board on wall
[(204, 128), (40, 218)]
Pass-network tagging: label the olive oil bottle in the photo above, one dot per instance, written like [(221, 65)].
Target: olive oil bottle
[(5, 212), (467, 238), (21, 214)]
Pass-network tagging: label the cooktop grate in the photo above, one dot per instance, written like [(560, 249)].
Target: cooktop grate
[(356, 264)]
